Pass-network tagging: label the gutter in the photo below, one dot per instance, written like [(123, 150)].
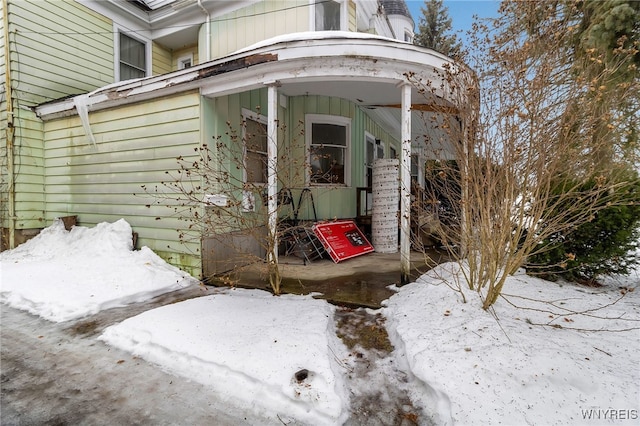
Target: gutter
[(11, 190), (147, 88)]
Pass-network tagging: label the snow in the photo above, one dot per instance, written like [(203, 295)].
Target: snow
[(248, 345), (546, 353), (63, 275), (562, 350)]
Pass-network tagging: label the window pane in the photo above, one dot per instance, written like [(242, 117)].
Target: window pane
[(255, 139), (256, 167), (132, 58), (127, 72), (328, 134), (255, 135), (327, 16), (327, 164), (370, 145)]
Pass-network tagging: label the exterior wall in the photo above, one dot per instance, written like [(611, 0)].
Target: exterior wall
[(400, 25), (50, 43), (135, 145), (162, 60), (260, 21), (4, 208), (352, 19), (177, 54), (330, 201), (336, 202)]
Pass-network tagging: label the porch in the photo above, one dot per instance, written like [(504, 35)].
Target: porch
[(361, 281)]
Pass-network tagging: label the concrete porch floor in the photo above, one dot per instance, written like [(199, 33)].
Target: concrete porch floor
[(357, 282)]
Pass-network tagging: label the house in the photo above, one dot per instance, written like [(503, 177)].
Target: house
[(105, 102)]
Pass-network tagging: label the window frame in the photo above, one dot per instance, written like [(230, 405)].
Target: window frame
[(116, 43), (337, 120), (344, 13), (183, 59), (259, 118)]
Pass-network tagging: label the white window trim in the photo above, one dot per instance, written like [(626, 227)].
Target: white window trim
[(183, 59), (117, 29), (344, 14), (309, 119)]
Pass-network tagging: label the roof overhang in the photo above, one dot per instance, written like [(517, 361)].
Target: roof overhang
[(365, 69), (172, 23)]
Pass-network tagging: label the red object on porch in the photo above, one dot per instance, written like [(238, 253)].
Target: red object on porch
[(342, 239)]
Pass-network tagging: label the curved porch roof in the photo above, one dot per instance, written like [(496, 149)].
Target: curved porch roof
[(366, 69)]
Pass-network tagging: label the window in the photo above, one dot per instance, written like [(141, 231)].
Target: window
[(415, 164), (185, 62), (375, 150), (408, 37), (132, 58), (254, 136), (392, 152), (328, 139), (328, 15)]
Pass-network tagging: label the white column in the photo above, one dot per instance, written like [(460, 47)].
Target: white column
[(405, 184), (272, 169)]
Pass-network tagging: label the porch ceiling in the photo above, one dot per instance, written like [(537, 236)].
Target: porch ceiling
[(380, 100), (367, 70)]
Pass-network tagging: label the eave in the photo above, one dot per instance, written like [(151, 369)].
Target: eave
[(364, 68)]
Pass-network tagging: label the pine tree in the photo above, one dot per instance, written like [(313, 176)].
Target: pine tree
[(434, 29)]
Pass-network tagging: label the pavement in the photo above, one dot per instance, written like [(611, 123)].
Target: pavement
[(60, 374), (361, 281)]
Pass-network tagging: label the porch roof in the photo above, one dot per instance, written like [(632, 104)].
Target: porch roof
[(363, 68)]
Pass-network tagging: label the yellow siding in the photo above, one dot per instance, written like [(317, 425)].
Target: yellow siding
[(135, 145), (255, 23), (161, 59), (353, 22), (177, 54)]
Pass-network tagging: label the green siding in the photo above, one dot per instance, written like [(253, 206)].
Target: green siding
[(135, 145), (331, 202), (58, 48), (4, 208)]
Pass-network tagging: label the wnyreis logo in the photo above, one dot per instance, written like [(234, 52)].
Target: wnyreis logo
[(609, 414)]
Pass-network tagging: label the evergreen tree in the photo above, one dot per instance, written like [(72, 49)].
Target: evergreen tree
[(434, 29), (592, 69)]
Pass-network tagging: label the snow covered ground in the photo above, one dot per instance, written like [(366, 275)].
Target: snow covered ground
[(545, 354)]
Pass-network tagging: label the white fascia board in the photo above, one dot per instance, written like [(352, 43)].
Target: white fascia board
[(119, 93), (324, 59), (122, 13), (302, 70)]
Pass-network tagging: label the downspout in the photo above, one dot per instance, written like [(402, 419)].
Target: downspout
[(208, 32), (11, 194)]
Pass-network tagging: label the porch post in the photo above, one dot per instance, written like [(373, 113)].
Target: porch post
[(405, 184), (272, 170)]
